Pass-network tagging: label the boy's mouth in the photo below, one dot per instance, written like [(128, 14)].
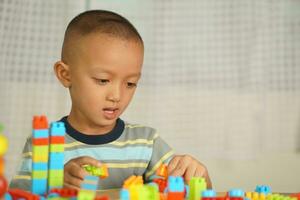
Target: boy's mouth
[(110, 113)]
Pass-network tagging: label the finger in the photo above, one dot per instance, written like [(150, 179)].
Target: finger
[(86, 160), (189, 173), (200, 172), (173, 163), (181, 167), (67, 185), (75, 170), (71, 180)]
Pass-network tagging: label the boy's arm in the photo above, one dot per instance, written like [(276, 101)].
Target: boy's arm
[(161, 154), (22, 179)]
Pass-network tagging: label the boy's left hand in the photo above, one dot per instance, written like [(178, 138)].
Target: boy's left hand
[(188, 167)]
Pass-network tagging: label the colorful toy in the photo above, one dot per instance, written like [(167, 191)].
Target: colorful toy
[(102, 171), (40, 149)]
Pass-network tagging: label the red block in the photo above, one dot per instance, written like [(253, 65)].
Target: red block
[(40, 141), (57, 139), (162, 184), (21, 194), (297, 195), (64, 192), (40, 122), (3, 186), (175, 196), (101, 198)]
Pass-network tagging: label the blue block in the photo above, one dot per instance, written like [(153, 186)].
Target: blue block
[(91, 178), (124, 194), (263, 189), (57, 129), (209, 193), (39, 186), (175, 184), (236, 193), (40, 133), (40, 166), (56, 160), (87, 186), (7, 196)]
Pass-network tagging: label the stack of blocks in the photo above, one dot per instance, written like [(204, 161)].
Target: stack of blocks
[(47, 155), (88, 188), (40, 149), (56, 155)]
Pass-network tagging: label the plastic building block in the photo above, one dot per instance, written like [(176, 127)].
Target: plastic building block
[(148, 192), (133, 180), (209, 193), (90, 183), (86, 195), (162, 171), (175, 196), (64, 192), (3, 145), (7, 196), (124, 194), (236, 193), (1, 166), (263, 189), (57, 129), (40, 122), (297, 196), (21, 194), (162, 184), (175, 184), (102, 171), (101, 197), (197, 185)]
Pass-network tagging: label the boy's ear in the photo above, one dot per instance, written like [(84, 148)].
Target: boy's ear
[(62, 72)]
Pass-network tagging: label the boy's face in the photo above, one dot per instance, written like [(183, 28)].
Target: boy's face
[(104, 73)]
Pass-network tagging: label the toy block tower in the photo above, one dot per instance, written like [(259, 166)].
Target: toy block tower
[(88, 188), (40, 148), (56, 155)]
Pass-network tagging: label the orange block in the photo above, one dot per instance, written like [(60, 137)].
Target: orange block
[(1, 166), (40, 122), (133, 180), (162, 171)]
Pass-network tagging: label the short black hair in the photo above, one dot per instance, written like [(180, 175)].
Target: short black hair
[(101, 21)]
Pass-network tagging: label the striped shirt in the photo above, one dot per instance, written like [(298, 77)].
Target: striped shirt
[(127, 150)]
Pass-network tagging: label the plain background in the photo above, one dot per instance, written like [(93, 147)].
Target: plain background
[(221, 80)]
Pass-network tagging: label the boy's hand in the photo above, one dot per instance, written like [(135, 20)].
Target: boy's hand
[(188, 167), (74, 173)]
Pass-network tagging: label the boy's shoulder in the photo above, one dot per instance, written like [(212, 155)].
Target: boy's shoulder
[(138, 131)]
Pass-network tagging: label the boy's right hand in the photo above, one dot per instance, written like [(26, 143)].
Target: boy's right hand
[(74, 173)]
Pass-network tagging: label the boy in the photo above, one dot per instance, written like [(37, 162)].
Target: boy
[(101, 65)]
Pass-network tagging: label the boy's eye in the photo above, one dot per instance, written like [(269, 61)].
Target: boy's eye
[(102, 81), (131, 85)]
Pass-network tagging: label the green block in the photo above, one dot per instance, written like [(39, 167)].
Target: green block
[(86, 195), (197, 185), (148, 192), (57, 148), (56, 182), (55, 173), (39, 174), (40, 149)]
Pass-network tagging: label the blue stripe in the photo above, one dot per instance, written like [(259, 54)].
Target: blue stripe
[(43, 133), (110, 153), (39, 166), (26, 165)]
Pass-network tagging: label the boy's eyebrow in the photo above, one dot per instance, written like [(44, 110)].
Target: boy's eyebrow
[(97, 70)]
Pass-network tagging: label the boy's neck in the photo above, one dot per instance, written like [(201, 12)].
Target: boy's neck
[(83, 126)]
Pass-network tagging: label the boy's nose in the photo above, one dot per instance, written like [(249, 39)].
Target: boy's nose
[(114, 95)]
